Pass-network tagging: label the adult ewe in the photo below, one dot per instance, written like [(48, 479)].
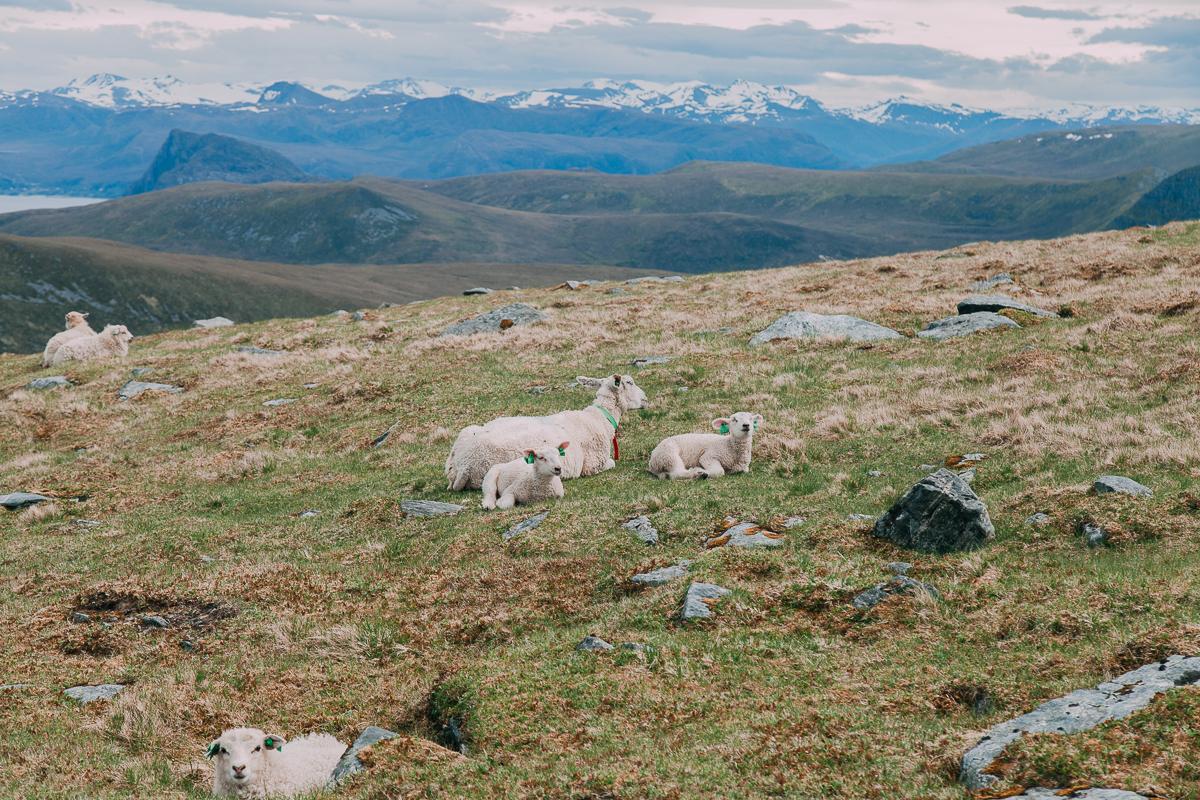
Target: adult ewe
[(248, 763), (707, 455), (592, 433), (535, 476), (77, 328), (112, 342)]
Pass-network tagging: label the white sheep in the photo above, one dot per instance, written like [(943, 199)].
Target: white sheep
[(707, 455), (249, 763), (111, 342), (592, 431), (77, 328), (533, 477)]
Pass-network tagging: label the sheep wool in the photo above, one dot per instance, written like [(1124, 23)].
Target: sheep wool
[(77, 328), (112, 342), (533, 477), (689, 456), (250, 764)]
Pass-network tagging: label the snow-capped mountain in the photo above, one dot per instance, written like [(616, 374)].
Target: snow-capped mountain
[(114, 91)]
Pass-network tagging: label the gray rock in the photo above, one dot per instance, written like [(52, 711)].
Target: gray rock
[(93, 694), (140, 372), (1038, 519), (803, 325), (358, 316), (379, 440), (593, 644), (349, 763), (967, 476), (491, 321), (646, 361), (637, 648), (280, 401), (87, 523), (646, 279), (14, 687), (929, 468), (308, 513), (662, 575), (793, 522), (1093, 534), (155, 621), (939, 514), (134, 389), (1118, 484), (965, 324), (477, 290), (617, 290), (999, 279), (897, 584), (898, 567), (428, 508), (673, 279), (19, 500), (1041, 793), (642, 528), (311, 385), (525, 525), (700, 597), (259, 351), (215, 322), (573, 285), (875, 473), (745, 534), (860, 517), (1080, 710), (999, 302), (52, 382), (80, 618)]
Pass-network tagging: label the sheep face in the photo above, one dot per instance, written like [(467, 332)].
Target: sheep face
[(547, 462), (741, 425), (120, 333), (620, 388), (240, 755), (75, 319)]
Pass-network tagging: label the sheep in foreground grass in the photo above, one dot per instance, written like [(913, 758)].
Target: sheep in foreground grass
[(529, 479), (111, 342), (707, 455), (248, 763), (592, 431), (77, 328)]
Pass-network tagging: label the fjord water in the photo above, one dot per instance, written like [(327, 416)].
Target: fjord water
[(27, 202)]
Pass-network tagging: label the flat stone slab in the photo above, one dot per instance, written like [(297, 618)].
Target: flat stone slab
[(1119, 484), (1040, 518), (428, 508), (52, 382), (803, 325), (259, 351), (93, 694), (656, 279), (593, 644), (477, 291), (999, 302), (1078, 711), (999, 279), (134, 389), (939, 514), (744, 534), (525, 525), (897, 584), (279, 401), (496, 320), (349, 763), (215, 322), (19, 500), (1040, 793), (662, 575), (965, 325), (699, 601), (642, 362), (642, 528)]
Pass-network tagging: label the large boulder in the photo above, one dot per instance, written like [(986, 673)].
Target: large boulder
[(1078, 711), (349, 763), (965, 324), (496, 320), (19, 500), (803, 325), (999, 302), (939, 514)]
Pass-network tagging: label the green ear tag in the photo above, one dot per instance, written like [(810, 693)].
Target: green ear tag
[(212, 750), (755, 424), (269, 742), (529, 459), (562, 451), (724, 427)]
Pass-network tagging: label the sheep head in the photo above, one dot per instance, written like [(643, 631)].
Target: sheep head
[(119, 333), (743, 424), (75, 319), (621, 390), (239, 756), (547, 461)]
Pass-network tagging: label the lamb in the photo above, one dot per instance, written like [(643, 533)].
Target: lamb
[(533, 477), (248, 763), (707, 455), (77, 328), (593, 432), (112, 341)]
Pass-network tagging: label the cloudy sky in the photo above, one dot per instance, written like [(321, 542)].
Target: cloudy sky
[(978, 52)]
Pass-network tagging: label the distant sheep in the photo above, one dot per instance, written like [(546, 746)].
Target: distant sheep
[(77, 328), (707, 455), (248, 763), (112, 342), (592, 431), (533, 477)]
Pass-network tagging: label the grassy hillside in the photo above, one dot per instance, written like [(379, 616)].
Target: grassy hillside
[(1177, 197), (360, 616), (1089, 154), (698, 218), (42, 279)]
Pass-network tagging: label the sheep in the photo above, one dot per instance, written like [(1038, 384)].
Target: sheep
[(707, 455), (112, 341), (533, 477), (248, 763), (593, 431), (77, 328)]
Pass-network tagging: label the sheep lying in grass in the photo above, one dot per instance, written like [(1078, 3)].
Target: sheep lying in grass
[(707, 455), (533, 477), (77, 328), (592, 431), (248, 763), (111, 342)]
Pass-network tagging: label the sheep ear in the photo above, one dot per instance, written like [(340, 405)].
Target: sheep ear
[(616, 380), (274, 742), (212, 750), (529, 456), (758, 418), (721, 424), (564, 445), (591, 383)]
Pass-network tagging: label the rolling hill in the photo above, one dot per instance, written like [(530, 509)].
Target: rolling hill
[(191, 158), (1176, 198)]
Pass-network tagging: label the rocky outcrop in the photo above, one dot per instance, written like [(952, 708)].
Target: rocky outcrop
[(939, 514), (965, 325), (999, 302), (496, 320)]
